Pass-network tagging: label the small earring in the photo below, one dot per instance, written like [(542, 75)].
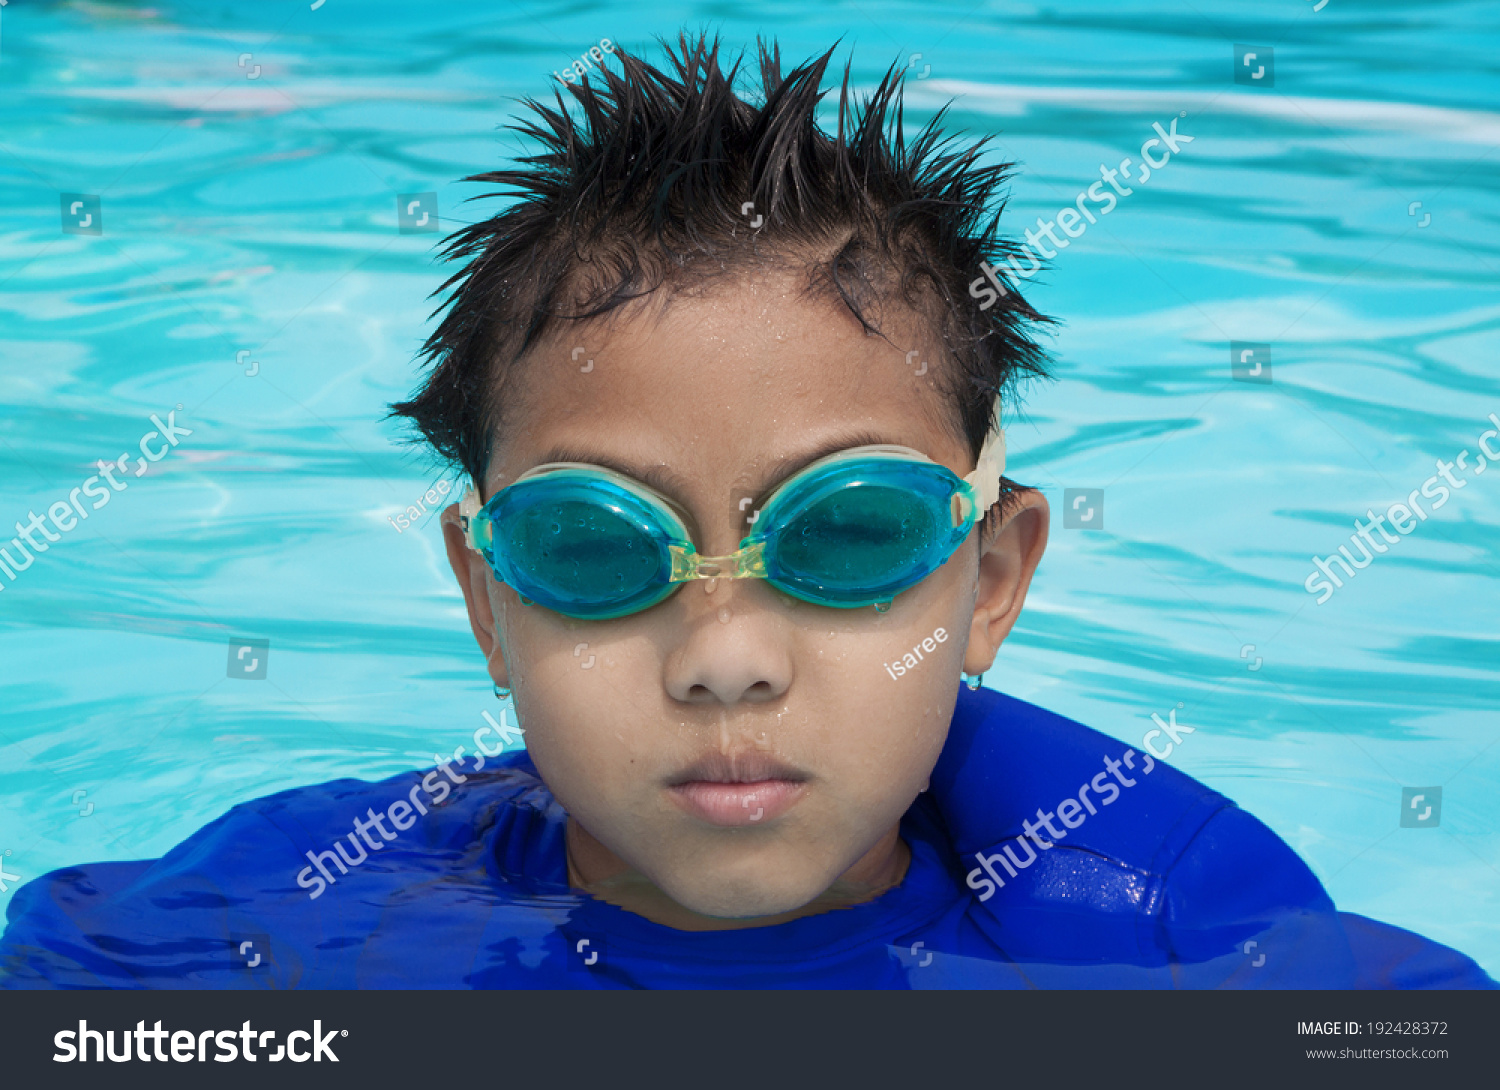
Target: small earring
[(973, 682), (503, 694)]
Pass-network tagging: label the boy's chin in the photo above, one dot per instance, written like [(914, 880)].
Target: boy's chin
[(745, 897)]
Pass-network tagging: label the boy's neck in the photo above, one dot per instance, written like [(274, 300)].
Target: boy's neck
[(595, 869)]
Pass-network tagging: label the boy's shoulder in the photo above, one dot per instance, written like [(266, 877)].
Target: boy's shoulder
[(1150, 868), (423, 814), (254, 880), (1005, 759), (1079, 847)]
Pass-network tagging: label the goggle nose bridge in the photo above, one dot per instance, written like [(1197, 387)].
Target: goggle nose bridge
[(746, 563)]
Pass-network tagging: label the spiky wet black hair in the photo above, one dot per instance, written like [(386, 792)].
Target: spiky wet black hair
[(641, 185)]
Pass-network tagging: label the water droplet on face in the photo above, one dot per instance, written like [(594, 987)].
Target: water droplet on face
[(724, 615), (710, 585), (556, 528)]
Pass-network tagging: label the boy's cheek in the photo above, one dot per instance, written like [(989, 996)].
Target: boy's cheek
[(582, 745), (869, 703)]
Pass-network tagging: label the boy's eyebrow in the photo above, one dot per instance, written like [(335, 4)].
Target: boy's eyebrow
[(789, 464), (670, 483), (660, 477)]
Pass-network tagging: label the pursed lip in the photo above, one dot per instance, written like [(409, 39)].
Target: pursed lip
[(743, 790), (752, 767)]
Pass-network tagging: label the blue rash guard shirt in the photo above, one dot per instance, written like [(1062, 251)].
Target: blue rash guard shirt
[(1147, 880)]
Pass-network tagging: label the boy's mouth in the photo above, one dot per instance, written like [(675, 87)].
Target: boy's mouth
[(737, 791)]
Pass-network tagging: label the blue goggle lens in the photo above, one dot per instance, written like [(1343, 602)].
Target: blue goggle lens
[(862, 535), (575, 548)]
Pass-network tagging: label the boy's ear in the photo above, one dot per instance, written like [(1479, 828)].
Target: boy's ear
[(1006, 564), (474, 578)]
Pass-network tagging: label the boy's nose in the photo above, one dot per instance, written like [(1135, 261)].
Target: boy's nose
[(732, 647)]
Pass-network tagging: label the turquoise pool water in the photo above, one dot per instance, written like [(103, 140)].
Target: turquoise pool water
[(249, 161)]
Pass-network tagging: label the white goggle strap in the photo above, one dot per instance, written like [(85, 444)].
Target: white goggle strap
[(468, 519), (985, 480)]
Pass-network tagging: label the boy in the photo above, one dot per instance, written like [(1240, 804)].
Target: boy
[(731, 542)]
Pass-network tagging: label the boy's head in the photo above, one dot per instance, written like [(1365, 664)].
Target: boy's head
[(705, 294)]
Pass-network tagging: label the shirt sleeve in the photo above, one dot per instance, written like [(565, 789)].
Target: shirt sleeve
[(1242, 910), (209, 914), (1390, 957)]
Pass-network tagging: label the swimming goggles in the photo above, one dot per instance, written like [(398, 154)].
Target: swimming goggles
[(853, 529)]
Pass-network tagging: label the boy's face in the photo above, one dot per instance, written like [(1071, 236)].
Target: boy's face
[(631, 721)]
